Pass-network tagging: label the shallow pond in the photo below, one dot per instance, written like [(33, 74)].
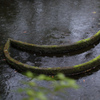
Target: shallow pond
[(49, 22)]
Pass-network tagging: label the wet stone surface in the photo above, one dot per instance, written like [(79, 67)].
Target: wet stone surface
[(49, 22)]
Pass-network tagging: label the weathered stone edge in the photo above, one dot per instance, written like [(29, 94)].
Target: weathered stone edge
[(57, 49), (52, 71)]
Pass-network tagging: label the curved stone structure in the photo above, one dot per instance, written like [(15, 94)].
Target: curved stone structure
[(52, 71), (57, 49)]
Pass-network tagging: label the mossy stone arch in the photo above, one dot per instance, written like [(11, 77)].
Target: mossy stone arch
[(57, 49)]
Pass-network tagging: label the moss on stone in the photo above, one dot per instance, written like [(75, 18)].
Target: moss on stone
[(77, 46), (66, 70), (52, 49)]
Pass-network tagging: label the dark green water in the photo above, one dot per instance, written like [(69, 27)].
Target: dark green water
[(49, 22)]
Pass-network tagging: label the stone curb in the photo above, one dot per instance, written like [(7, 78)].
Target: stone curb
[(51, 71), (57, 49)]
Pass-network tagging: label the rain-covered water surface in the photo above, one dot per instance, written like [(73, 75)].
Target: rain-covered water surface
[(49, 22), (57, 60)]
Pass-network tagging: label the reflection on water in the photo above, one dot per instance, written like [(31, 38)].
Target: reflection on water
[(49, 22)]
